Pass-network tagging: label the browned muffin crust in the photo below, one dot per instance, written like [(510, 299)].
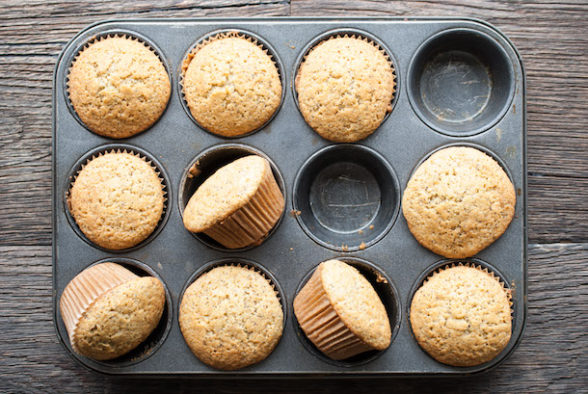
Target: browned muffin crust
[(461, 316), (345, 87), (118, 86), (231, 84), (458, 202)]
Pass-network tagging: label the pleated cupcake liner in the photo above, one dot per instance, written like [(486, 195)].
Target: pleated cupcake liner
[(251, 223), (83, 291), (321, 323)]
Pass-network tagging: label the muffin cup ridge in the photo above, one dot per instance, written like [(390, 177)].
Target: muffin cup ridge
[(125, 270), (110, 149), (219, 35), (251, 221), (116, 33)]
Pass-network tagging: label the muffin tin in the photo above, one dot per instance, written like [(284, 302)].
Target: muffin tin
[(342, 200)]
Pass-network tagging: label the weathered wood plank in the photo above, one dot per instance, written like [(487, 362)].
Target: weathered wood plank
[(551, 357)]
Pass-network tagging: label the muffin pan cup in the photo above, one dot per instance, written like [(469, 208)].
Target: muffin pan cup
[(383, 161)]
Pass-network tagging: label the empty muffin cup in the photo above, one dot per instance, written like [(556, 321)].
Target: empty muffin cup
[(346, 197), (231, 197), (461, 82)]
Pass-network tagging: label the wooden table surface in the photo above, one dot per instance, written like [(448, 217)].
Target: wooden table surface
[(552, 37)]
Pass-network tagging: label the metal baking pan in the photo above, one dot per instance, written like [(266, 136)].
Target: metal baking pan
[(342, 200)]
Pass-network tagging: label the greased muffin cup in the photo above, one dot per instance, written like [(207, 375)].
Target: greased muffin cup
[(345, 86), (118, 85), (461, 315), (108, 310), (231, 316), (346, 197), (117, 197), (341, 313), (231, 83), (238, 205), (460, 82)]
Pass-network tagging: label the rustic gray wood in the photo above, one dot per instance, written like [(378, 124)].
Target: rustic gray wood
[(553, 40)]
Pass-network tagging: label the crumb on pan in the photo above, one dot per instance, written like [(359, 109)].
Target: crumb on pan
[(295, 212), (194, 171)]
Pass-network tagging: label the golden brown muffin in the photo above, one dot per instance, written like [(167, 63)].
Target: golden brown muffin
[(231, 317), (341, 313), (117, 200), (108, 311), (458, 202), (345, 87), (461, 316), (238, 205), (118, 86), (231, 84)]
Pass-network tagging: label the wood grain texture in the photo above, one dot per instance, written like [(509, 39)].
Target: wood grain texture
[(551, 36), (552, 355)]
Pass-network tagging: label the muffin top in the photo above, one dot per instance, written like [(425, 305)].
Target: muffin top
[(224, 192), (458, 202), (231, 85), (231, 317), (117, 200), (108, 310), (345, 87), (356, 303), (118, 86), (120, 319), (461, 316)]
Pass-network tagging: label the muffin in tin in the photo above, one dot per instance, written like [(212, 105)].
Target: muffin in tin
[(461, 315), (108, 310), (341, 313), (458, 202), (238, 205), (231, 317), (345, 86), (118, 86), (117, 199), (231, 84)]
